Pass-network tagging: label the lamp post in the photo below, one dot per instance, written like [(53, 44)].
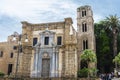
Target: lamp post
[(19, 49)]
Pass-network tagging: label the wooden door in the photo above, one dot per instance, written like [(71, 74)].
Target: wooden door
[(45, 67)]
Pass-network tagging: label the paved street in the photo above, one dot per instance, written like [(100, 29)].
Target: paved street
[(116, 79)]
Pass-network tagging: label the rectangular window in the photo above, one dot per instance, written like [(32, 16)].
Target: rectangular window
[(46, 41), (34, 41), (1, 54), (11, 55), (59, 40)]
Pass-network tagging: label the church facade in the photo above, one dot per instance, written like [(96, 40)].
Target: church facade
[(53, 49)]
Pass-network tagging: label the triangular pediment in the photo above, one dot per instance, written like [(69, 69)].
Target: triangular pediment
[(47, 32)]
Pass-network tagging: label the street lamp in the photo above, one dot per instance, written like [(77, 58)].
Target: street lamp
[(19, 49)]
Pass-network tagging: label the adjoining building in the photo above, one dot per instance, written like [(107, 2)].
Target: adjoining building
[(53, 49), (8, 55)]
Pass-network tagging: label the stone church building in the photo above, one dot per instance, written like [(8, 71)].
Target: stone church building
[(53, 49)]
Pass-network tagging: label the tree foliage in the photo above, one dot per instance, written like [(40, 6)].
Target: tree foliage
[(103, 47), (117, 59), (112, 23), (1, 74), (89, 56), (107, 41)]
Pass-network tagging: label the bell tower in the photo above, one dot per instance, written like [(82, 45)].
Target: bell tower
[(85, 26)]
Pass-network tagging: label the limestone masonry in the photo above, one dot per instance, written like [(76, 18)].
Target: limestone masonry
[(53, 49)]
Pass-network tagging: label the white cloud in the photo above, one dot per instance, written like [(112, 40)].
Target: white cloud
[(39, 11), (97, 17), (27, 9), (36, 11)]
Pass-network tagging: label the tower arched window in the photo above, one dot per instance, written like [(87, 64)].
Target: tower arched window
[(85, 44), (84, 27), (83, 13)]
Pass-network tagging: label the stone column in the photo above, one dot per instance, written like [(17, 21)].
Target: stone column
[(36, 63), (53, 64), (57, 64), (60, 63)]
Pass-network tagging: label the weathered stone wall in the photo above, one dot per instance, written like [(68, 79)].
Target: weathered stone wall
[(7, 48), (60, 29)]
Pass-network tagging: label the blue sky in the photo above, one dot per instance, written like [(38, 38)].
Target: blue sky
[(12, 12)]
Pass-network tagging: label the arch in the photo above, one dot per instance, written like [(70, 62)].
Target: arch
[(84, 27), (85, 44)]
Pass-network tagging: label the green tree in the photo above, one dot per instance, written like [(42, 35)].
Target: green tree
[(117, 59), (90, 57), (107, 42), (118, 42), (113, 24), (103, 48), (2, 74)]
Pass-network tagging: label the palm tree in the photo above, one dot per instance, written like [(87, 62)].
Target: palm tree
[(113, 24), (89, 56)]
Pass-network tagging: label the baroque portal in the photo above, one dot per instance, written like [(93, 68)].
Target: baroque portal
[(45, 62)]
